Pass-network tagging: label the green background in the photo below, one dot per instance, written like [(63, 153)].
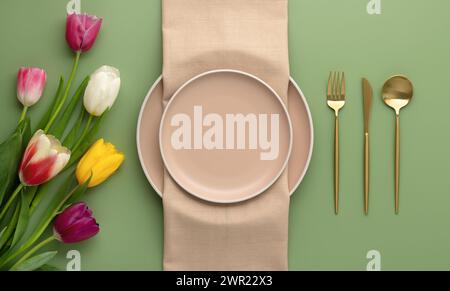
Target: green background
[(409, 37)]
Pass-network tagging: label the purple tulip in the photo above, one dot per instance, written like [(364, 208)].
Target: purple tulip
[(81, 31), (75, 224)]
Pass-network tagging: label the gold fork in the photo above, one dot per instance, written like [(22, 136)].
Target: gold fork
[(336, 100)]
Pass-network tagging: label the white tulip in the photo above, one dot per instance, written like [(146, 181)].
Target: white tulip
[(102, 90)]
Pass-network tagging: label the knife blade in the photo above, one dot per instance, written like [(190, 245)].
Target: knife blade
[(367, 94)]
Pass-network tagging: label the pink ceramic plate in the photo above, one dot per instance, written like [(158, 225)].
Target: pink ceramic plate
[(225, 136), (148, 134)]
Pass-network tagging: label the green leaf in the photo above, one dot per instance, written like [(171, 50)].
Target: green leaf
[(50, 213), (22, 222), (35, 262), (48, 268), (30, 193), (56, 100), (53, 208), (60, 127), (87, 141), (10, 228), (24, 129), (9, 159), (77, 193), (43, 189), (3, 232), (10, 154), (41, 214), (71, 137)]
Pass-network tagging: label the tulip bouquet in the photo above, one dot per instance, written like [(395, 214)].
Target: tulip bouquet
[(61, 144)]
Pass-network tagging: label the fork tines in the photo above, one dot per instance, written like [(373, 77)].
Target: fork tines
[(336, 86)]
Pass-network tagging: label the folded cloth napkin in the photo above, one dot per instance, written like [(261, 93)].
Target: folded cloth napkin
[(246, 35)]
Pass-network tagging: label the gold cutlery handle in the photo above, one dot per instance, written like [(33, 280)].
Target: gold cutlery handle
[(366, 173), (336, 165), (397, 162)]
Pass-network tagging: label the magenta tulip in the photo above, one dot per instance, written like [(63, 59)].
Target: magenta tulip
[(75, 224), (30, 85), (81, 31)]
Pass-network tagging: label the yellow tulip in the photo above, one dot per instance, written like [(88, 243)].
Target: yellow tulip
[(101, 161)]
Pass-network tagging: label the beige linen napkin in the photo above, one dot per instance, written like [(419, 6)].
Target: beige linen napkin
[(247, 35)]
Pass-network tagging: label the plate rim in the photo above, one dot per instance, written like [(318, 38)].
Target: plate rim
[(311, 136), (138, 131), (146, 171), (283, 106)]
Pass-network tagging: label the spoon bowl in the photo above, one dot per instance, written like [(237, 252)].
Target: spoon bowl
[(397, 92)]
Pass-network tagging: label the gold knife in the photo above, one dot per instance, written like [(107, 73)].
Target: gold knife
[(367, 93)]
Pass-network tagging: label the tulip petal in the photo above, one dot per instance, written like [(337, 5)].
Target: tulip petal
[(43, 147), (39, 172), (43, 159), (82, 229), (93, 26), (59, 164), (102, 90), (35, 85), (99, 163), (21, 83), (69, 216), (105, 168), (113, 91), (30, 85), (73, 37), (83, 171), (29, 152), (82, 31)]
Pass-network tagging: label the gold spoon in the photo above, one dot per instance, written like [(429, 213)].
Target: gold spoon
[(397, 93)]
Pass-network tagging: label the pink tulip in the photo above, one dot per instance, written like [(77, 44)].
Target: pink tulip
[(30, 85), (43, 159), (81, 31), (75, 224)]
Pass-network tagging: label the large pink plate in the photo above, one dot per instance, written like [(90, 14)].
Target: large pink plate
[(148, 136)]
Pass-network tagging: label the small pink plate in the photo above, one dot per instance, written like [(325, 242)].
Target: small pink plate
[(225, 136), (148, 135)]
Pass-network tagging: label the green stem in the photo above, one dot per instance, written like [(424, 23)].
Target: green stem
[(24, 114), (33, 250), (66, 92), (10, 200), (83, 135)]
